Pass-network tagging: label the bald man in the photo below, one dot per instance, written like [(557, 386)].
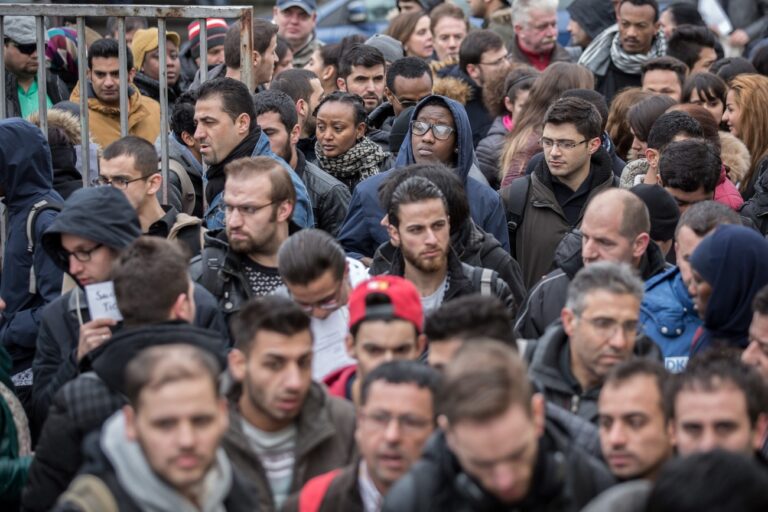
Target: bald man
[(616, 227)]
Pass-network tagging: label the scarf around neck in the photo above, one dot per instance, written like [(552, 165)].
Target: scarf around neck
[(215, 172), (606, 48), (357, 163)]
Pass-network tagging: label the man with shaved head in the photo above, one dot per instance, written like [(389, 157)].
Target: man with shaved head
[(616, 228)]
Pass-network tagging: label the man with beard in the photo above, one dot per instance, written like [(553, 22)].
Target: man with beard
[(361, 72), (535, 41), (617, 55), (306, 91), (419, 226), (240, 262), (400, 390), (227, 130), (283, 429), (276, 115)]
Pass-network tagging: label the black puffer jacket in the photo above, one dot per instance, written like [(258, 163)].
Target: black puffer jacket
[(547, 359), (83, 404), (474, 247), (756, 207), (150, 88), (565, 479), (488, 152)]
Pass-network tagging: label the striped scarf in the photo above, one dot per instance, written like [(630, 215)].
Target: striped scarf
[(607, 47)]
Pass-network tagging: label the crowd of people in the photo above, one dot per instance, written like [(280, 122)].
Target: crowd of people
[(456, 266)]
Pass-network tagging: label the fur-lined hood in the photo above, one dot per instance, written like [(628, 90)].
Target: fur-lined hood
[(454, 88), (735, 156), (439, 67), (65, 121)]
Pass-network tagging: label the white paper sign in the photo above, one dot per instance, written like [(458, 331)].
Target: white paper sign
[(102, 302)]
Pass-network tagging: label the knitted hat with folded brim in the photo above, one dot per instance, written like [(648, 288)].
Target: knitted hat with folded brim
[(147, 40), (217, 31)]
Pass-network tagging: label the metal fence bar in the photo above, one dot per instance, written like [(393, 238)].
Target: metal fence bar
[(148, 11), (42, 92), (246, 50), (162, 48), (203, 50), (85, 140), (123, 63), (2, 72)]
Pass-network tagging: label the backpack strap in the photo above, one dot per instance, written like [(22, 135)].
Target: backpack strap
[(482, 280), (515, 198), (187, 189), (313, 493), (34, 212), (89, 493)]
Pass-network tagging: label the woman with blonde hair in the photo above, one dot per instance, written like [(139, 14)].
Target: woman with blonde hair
[(523, 141), (413, 30), (744, 114)]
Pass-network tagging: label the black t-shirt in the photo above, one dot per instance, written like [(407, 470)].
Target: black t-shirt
[(263, 280)]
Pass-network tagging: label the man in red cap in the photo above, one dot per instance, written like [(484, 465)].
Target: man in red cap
[(385, 324)]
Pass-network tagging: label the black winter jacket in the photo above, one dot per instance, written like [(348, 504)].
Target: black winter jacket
[(84, 404), (547, 298), (55, 88), (329, 197), (564, 480), (488, 151), (474, 247), (463, 279), (546, 358)]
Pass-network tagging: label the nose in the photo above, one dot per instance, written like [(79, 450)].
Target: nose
[(707, 441), (75, 266), (392, 433), (588, 249), (616, 435), (199, 132), (185, 435), (620, 339), (292, 377), (431, 237), (234, 218), (428, 136)]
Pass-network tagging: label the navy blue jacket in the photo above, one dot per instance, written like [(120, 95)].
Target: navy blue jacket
[(362, 232), (26, 175)]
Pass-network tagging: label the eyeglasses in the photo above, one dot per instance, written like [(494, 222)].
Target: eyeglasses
[(245, 210), (380, 420), (26, 49), (440, 131), (565, 145), (407, 103), (83, 255), (498, 61), (608, 327), (328, 304), (120, 182)]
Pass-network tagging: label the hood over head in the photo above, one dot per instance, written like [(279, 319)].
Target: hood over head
[(733, 261), (593, 16), (466, 152), (99, 214), (26, 171)]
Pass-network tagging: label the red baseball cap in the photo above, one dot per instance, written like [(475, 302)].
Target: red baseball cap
[(400, 299)]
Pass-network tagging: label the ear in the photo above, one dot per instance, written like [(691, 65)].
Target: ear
[(131, 75), (394, 235), (327, 73), (223, 407), (569, 321), (129, 415), (284, 211), (360, 131), (155, 182), (640, 245), (538, 413), (243, 124), (256, 59), (302, 108), (183, 309), (761, 431), (188, 139), (295, 134), (473, 71), (236, 361), (421, 343), (349, 345), (390, 96), (341, 84), (508, 105), (652, 155), (275, 12), (594, 145)]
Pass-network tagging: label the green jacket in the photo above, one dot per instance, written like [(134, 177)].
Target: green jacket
[(13, 468)]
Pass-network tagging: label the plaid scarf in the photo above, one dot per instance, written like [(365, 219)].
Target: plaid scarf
[(607, 47), (357, 163)]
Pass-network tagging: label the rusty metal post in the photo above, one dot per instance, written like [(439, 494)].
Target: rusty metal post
[(2, 73), (203, 50), (85, 139), (246, 50), (42, 92), (163, 50)]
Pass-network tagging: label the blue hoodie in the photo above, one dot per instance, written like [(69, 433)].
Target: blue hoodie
[(732, 260), (26, 175), (362, 232)]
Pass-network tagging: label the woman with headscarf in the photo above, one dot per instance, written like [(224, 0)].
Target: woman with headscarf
[(728, 269)]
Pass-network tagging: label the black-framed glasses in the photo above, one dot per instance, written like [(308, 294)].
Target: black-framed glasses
[(440, 131), (120, 182), (82, 255), (498, 61), (26, 49), (565, 145), (245, 209)]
